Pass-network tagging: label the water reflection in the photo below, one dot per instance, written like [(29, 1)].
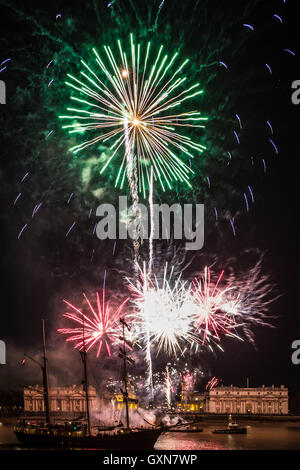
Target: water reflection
[(260, 435)]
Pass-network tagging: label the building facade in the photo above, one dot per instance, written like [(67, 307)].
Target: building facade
[(193, 402), (62, 399), (259, 400), (118, 400)]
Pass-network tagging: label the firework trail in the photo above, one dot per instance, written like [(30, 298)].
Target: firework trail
[(149, 362), (100, 327), (151, 224), (148, 345), (132, 177), (166, 382), (168, 387), (212, 383)]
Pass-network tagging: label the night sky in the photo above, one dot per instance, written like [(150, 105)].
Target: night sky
[(44, 265)]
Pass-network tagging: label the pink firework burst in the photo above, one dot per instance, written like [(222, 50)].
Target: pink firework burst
[(214, 313), (98, 327), (188, 380)]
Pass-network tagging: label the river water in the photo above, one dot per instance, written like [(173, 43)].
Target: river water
[(282, 435)]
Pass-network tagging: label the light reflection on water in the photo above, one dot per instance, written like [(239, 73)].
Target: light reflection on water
[(260, 435)]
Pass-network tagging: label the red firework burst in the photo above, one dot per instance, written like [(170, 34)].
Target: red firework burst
[(97, 328)]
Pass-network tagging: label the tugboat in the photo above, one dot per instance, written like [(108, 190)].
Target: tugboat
[(185, 428), (232, 428), (79, 435)]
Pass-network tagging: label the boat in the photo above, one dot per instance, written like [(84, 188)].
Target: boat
[(115, 439), (232, 428), (185, 429), (74, 434)]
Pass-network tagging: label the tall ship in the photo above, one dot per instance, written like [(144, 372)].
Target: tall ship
[(79, 434)]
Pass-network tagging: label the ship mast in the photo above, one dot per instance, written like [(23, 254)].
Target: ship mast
[(86, 382), (44, 367), (125, 377), (45, 376)]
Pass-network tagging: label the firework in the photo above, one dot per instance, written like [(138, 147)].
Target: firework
[(249, 296), (132, 104), (99, 328), (165, 383), (188, 380), (162, 315), (235, 307), (174, 316), (216, 309), (212, 383), (168, 387), (160, 318)]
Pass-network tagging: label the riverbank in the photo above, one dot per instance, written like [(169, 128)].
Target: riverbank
[(252, 417), (202, 417)]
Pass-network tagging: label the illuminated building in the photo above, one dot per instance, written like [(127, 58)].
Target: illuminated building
[(62, 399), (132, 403), (113, 395), (259, 400), (193, 402)]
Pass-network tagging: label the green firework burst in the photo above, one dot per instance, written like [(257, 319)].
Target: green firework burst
[(135, 106)]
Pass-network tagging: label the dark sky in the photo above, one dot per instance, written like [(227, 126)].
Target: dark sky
[(33, 279)]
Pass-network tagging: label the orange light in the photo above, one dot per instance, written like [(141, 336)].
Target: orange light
[(124, 73)]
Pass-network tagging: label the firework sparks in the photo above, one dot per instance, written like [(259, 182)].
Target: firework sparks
[(212, 383), (162, 311), (174, 316), (214, 314), (71, 228), (246, 202), (100, 327), (269, 68), (188, 380), (130, 106), (18, 196), (25, 176), (234, 308), (22, 230), (270, 127), (248, 26), (168, 387), (250, 297)]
